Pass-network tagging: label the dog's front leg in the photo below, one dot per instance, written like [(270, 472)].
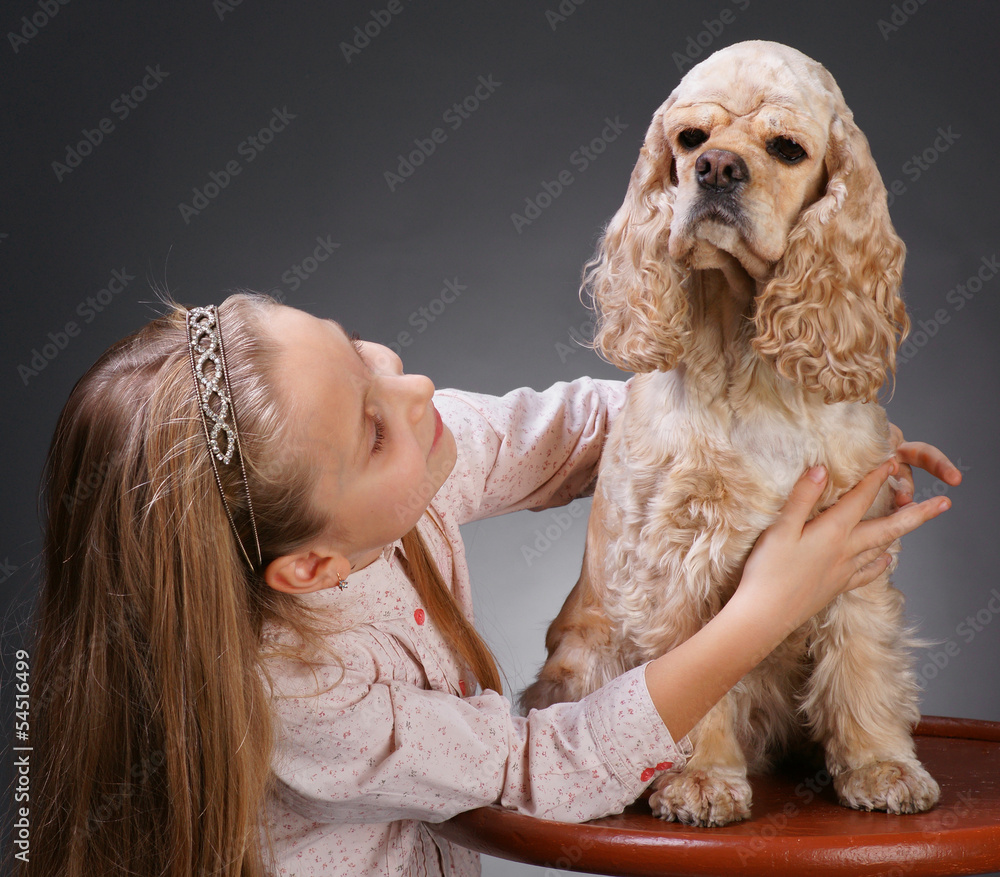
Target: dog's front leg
[(583, 652), (862, 702), (712, 789), (582, 656)]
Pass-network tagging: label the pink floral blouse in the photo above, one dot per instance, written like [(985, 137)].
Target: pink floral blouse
[(403, 740)]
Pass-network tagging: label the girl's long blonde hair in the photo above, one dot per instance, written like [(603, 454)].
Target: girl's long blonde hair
[(151, 723)]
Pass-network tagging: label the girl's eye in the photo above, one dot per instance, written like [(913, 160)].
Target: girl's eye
[(379, 434), (376, 418), (357, 342)]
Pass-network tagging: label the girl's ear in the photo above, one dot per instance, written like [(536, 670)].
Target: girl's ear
[(306, 572)]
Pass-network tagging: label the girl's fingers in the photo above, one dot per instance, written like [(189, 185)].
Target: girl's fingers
[(870, 571), (930, 459), (905, 486), (847, 511), (895, 436), (802, 499), (870, 555), (884, 531), (923, 456)]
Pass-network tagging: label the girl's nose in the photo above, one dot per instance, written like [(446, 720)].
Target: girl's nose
[(395, 363), (413, 393)]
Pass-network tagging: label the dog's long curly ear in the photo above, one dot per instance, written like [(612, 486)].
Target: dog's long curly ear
[(832, 317), (642, 320)]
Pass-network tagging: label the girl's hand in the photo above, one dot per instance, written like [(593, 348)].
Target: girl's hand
[(924, 456), (794, 570), (800, 565)]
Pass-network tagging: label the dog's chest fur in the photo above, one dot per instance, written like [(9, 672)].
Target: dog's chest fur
[(700, 468)]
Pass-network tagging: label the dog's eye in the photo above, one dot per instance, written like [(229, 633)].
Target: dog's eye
[(691, 137), (785, 149)]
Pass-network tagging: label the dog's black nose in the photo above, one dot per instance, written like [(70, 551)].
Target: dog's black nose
[(720, 170)]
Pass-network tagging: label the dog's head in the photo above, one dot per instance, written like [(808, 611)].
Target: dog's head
[(756, 157)]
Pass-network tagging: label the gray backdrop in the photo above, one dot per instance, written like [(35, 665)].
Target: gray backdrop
[(370, 161)]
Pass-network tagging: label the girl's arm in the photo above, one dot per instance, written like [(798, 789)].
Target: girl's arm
[(375, 745), (796, 568), (379, 750), (527, 449)]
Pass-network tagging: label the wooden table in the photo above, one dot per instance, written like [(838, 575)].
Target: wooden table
[(797, 827)]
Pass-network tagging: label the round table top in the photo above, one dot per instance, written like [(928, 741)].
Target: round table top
[(797, 826)]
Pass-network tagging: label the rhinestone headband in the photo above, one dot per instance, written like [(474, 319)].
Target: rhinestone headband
[(216, 402)]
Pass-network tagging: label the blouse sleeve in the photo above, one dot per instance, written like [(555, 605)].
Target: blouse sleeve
[(377, 752), (527, 449)]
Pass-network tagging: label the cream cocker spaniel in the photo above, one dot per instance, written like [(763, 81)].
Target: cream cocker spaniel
[(752, 278)]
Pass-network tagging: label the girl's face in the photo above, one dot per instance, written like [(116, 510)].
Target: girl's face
[(380, 449)]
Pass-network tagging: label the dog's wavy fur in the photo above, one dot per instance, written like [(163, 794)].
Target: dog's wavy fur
[(763, 321)]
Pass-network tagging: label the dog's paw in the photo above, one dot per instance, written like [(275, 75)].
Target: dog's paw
[(894, 786), (544, 692), (702, 797)]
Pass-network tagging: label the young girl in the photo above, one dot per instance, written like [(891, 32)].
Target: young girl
[(255, 652)]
